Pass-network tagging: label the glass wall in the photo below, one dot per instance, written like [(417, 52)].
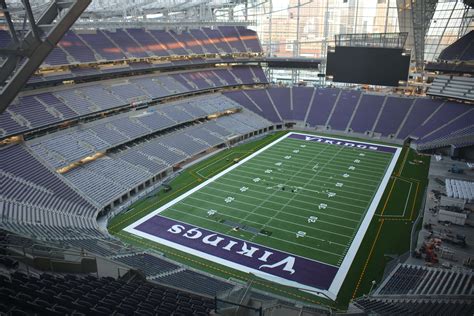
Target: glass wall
[(281, 30), (450, 21), (319, 20)]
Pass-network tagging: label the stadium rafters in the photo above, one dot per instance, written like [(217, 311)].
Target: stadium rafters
[(164, 13), (42, 28)]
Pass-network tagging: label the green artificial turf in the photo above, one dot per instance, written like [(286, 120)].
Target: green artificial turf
[(264, 205)]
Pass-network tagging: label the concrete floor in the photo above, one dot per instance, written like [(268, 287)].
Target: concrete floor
[(439, 170)]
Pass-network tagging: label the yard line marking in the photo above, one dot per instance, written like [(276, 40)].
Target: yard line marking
[(293, 206), (318, 212), (268, 201), (332, 170), (298, 187), (331, 174), (292, 214), (365, 150), (342, 159), (287, 241), (241, 202), (336, 189), (360, 166), (274, 192), (292, 198), (356, 171), (375, 157), (273, 227)]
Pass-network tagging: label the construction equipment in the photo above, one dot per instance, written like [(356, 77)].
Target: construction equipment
[(455, 169)]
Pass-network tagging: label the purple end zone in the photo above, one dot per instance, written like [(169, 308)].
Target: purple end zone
[(277, 263), (347, 143)]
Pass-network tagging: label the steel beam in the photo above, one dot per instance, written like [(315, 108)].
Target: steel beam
[(59, 16)]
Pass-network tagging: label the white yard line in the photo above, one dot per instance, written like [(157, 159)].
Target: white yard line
[(357, 241), (406, 201), (289, 179), (304, 158), (296, 207), (276, 228), (312, 177), (275, 191), (369, 159), (269, 201), (335, 170), (352, 228), (349, 257), (372, 156), (313, 185), (369, 168), (343, 179)]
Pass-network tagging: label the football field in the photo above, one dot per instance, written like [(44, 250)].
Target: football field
[(294, 212)]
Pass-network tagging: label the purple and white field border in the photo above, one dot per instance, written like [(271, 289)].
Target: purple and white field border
[(272, 264)]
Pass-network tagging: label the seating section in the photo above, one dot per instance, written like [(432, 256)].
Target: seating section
[(456, 131), (62, 149), (450, 67), (424, 281), (461, 50), (102, 246), (414, 307), (27, 181), (431, 122), (367, 112), (456, 87), (195, 282), (32, 197), (420, 290), (40, 203), (85, 46), (148, 264), (119, 173), (49, 294), (43, 109), (250, 39), (76, 48)]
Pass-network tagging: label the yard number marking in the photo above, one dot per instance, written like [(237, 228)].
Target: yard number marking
[(300, 233)]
